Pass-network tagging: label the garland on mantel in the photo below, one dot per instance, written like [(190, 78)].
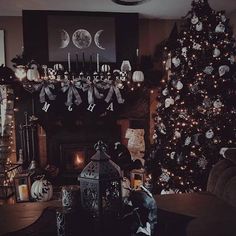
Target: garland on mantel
[(49, 82)]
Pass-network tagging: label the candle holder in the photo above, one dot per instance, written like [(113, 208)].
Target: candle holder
[(137, 178), (22, 183)]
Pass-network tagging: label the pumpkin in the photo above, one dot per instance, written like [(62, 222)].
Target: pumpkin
[(105, 68), (138, 76), (33, 73), (41, 190)]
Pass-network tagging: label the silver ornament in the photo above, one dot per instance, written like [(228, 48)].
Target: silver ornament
[(232, 59), (223, 69), (217, 103), (164, 177), (209, 134), (162, 128), (202, 162), (194, 19), (223, 18), (177, 134), (165, 92), (179, 85), (184, 51), (187, 141), (172, 155), (220, 28), (208, 70), (169, 101), (199, 26), (176, 61), (216, 52), (207, 102), (197, 46), (180, 158)]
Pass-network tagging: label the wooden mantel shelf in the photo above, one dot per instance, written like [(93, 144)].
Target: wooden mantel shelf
[(20, 215)]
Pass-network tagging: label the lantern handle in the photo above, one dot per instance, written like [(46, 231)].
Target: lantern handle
[(100, 146)]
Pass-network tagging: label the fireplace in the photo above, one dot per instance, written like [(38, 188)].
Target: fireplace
[(71, 150)]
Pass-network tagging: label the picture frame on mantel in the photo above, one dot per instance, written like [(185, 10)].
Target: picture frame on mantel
[(122, 27), (2, 48)]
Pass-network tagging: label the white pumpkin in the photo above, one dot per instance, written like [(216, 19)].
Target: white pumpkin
[(138, 76), (41, 190), (105, 68), (33, 73)]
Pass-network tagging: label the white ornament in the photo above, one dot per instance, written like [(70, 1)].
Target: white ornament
[(216, 52), (199, 26), (197, 46), (220, 28), (194, 19), (202, 162), (162, 128), (176, 61), (168, 102), (164, 177), (20, 72), (187, 141), (209, 134), (33, 73), (208, 70), (223, 69), (184, 51), (177, 134), (177, 97), (172, 155), (232, 59), (165, 92), (217, 103), (223, 18), (179, 85)]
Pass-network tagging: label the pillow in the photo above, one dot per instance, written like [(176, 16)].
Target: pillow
[(223, 179), (216, 171), (229, 194)]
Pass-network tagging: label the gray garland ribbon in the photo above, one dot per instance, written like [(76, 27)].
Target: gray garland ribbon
[(44, 88), (92, 90), (114, 89), (72, 91)]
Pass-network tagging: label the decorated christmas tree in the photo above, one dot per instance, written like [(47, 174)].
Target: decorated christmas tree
[(196, 112)]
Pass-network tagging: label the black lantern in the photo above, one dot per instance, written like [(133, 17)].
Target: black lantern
[(100, 184)]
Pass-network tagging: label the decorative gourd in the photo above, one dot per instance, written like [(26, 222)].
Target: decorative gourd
[(33, 73), (138, 76), (41, 190), (105, 68)]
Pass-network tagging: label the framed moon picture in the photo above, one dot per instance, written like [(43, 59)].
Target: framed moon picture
[(50, 35), (81, 34)]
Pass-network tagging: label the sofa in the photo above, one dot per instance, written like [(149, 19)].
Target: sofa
[(212, 212)]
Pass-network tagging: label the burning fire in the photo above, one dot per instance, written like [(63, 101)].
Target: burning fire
[(78, 160)]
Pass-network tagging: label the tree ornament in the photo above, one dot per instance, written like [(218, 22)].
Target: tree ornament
[(207, 102), (164, 177), (199, 26), (220, 28), (209, 134), (217, 103), (162, 128), (194, 88), (184, 51), (196, 139), (223, 69), (208, 70), (168, 102), (232, 59), (187, 141), (165, 92), (172, 155), (179, 85), (197, 46), (202, 162), (216, 52), (177, 97), (41, 190), (223, 18), (177, 134), (194, 19), (176, 61), (180, 158)]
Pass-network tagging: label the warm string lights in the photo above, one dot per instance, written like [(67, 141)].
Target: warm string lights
[(195, 113)]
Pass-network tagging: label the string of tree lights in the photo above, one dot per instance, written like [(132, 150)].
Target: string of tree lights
[(196, 109)]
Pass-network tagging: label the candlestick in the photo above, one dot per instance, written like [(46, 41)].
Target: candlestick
[(97, 62), (23, 192), (69, 68)]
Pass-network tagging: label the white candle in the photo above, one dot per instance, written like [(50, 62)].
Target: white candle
[(97, 62), (23, 192), (68, 62)]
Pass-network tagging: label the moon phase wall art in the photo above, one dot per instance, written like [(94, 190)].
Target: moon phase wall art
[(81, 34)]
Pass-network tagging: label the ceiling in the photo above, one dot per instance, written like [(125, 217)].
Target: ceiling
[(164, 9)]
